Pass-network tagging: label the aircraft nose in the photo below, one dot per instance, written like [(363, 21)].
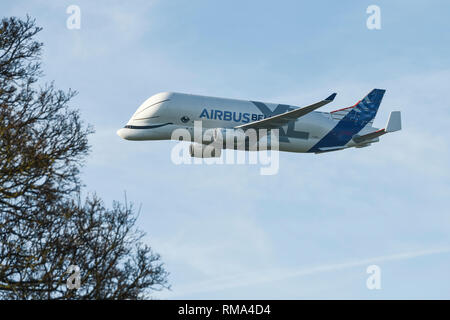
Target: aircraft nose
[(122, 133)]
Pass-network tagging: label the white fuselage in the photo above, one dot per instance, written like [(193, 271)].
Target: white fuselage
[(162, 113)]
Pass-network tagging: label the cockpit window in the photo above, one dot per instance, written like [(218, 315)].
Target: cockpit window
[(154, 117), (152, 105)]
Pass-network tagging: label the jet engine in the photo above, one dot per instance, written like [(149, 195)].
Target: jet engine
[(237, 137), (198, 150)]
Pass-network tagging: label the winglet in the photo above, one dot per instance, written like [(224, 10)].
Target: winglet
[(331, 97), (394, 122)]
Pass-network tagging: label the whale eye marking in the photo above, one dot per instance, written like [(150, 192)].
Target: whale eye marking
[(184, 119)]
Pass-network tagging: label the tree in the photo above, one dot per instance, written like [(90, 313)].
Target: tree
[(44, 225)]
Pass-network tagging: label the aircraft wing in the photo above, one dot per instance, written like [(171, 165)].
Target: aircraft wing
[(280, 120)]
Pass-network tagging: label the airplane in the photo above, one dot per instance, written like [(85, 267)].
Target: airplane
[(301, 129)]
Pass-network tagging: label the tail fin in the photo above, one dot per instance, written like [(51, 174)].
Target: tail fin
[(364, 110), (367, 108)]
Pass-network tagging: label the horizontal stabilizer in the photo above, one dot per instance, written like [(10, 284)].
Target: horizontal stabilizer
[(394, 124), (369, 136)]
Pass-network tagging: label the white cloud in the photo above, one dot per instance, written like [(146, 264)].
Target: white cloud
[(275, 275)]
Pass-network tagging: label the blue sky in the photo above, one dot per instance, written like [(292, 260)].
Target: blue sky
[(311, 230)]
